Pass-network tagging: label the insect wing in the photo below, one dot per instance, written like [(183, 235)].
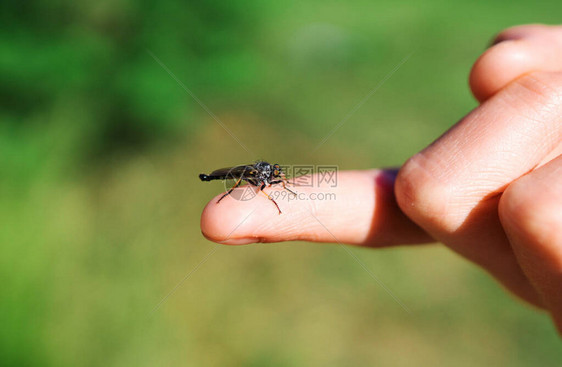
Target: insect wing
[(234, 172)]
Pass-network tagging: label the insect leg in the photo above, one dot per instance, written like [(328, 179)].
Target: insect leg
[(284, 179), (229, 191), (269, 197), (288, 189), (284, 186)]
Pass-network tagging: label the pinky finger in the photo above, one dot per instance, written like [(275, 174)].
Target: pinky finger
[(531, 213)]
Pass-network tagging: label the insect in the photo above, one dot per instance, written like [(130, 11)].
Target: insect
[(260, 174)]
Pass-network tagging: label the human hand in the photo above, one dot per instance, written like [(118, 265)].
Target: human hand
[(490, 188)]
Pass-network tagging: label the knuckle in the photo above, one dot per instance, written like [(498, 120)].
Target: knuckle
[(511, 202), (546, 86), (537, 98), (419, 194), (523, 208)]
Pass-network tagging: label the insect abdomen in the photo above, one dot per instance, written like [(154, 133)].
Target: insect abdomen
[(204, 177)]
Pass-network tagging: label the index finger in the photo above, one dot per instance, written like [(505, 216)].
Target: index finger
[(361, 209)]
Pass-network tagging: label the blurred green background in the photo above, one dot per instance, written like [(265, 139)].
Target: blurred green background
[(100, 201)]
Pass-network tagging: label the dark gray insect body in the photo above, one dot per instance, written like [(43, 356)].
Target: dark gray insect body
[(260, 174)]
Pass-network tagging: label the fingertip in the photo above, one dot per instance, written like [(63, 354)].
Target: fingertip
[(224, 222), (498, 66), (514, 52)]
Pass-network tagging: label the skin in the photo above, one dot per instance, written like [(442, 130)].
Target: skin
[(490, 188)]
